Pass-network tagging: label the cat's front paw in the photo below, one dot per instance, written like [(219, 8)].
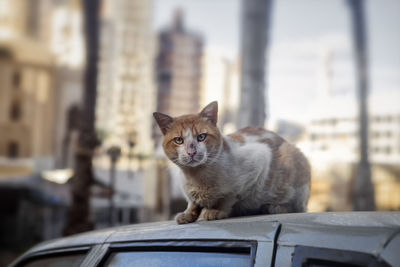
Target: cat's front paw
[(277, 209), (183, 218), (213, 214)]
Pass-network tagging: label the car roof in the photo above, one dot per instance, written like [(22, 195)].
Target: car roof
[(296, 227)]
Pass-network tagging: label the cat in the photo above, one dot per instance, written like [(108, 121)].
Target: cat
[(252, 171)]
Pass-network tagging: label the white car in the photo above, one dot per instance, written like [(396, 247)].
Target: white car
[(307, 239)]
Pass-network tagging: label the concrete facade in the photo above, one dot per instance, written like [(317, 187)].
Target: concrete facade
[(42, 44), (27, 102)]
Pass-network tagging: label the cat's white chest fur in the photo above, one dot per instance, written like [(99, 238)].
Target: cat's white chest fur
[(249, 170), (240, 173)]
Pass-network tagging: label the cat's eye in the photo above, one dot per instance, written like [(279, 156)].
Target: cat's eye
[(201, 137), (178, 140)]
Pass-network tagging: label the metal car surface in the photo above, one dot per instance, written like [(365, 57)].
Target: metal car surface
[(363, 238)]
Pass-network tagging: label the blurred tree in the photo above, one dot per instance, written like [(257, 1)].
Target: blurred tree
[(254, 41), (363, 190), (79, 219)]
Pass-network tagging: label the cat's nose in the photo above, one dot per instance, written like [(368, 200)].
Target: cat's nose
[(191, 150), (192, 153)]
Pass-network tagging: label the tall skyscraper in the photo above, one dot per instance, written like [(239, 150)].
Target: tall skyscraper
[(179, 81), (179, 69), (126, 93)]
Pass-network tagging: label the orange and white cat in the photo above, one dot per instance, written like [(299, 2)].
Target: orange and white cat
[(252, 171)]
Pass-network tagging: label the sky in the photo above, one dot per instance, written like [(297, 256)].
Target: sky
[(304, 34)]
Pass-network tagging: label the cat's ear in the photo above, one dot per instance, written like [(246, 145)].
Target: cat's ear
[(164, 121), (210, 112)]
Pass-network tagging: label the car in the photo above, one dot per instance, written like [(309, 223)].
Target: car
[(298, 239)]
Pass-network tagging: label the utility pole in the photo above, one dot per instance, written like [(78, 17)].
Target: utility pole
[(131, 144), (114, 153), (364, 197), (256, 17), (79, 213)]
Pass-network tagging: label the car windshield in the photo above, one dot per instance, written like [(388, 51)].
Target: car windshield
[(174, 258)]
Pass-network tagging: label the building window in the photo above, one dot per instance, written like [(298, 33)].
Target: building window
[(313, 137), (323, 147), (15, 111), (13, 150), (16, 79), (376, 134)]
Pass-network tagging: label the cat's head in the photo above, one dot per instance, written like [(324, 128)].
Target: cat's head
[(191, 140)]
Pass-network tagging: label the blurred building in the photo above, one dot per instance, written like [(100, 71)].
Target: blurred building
[(125, 103), (27, 87), (41, 62), (334, 122), (27, 108), (221, 83), (54, 28), (179, 69), (27, 18), (56, 24), (126, 94), (336, 135), (333, 143), (179, 73)]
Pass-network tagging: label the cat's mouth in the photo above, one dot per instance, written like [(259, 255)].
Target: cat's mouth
[(193, 162)]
